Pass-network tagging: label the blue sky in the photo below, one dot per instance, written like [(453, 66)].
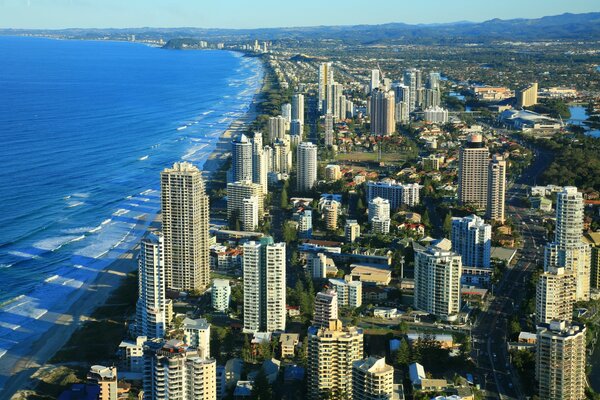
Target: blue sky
[(269, 13)]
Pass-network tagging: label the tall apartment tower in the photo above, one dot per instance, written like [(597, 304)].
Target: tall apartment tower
[(153, 310), (237, 192), (298, 108), (560, 361), (196, 334), (260, 167), (277, 127), (330, 214), (383, 112), (326, 308), (325, 79), (496, 189), (379, 215), (220, 294), (437, 282), (568, 249), (472, 240), (334, 93), (286, 112), (331, 353), (184, 207), (173, 370), (372, 379), (306, 159), (375, 79), (264, 265), (473, 160), (329, 136), (527, 96), (241, 159), (555, 296)]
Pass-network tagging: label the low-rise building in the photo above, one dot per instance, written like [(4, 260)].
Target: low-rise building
[(288, 343)]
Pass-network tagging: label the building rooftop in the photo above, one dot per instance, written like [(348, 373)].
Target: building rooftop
[(200, 324)]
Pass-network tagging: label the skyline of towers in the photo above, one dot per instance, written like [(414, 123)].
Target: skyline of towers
[(264, 269), (306, 160), (185, 218)]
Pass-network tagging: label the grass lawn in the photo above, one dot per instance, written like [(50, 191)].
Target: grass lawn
[(359, 156)]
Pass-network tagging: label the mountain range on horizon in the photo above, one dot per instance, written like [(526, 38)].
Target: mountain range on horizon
[(584, 26)]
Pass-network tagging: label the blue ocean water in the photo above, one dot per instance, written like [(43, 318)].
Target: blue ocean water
[(85, 128)]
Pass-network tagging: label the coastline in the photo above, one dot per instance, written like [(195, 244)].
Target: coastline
[(36, 356)]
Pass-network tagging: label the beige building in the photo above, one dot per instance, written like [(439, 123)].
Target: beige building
[(383, 112), (372, 379), (555, 296), (368, 274), (288, 343), (528, 96), (473, 163), (333, 172), (175, 371), (331, 354), (496, 192), (432, 162), (237, 192), (106, 378), (560, 361), (330, 214), (593, 239), (351, 230), (326, 308), (184, 207)]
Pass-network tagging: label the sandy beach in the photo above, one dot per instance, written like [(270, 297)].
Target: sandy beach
[(19, 369)]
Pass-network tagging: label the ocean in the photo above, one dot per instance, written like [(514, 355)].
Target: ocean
[(85, 129)]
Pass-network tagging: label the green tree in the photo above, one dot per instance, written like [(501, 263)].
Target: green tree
[(303, 352), (284, 198), (261, 388), (246, 350), (290, 234), (402, 356), (447, 227), (425, 219)]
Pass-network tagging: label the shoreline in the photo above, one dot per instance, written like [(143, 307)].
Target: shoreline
[(21, 369)]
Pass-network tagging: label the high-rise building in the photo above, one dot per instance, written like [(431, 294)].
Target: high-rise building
[(331, 353), (237, 192), (282, 156), (472, 240), (304, 219), (568, 249), (250, 214), (560, 361), (316, 265), (375, 79), (173, 370), (260, 162), (196, 334), (372, 379), (277, 128), (326, 308), (383, 112), (496, 189), (527, 96), (402, 112), (434, 81), (153, 310), (306, 159), (437, 282), (593, 239), (184, 207), (241, 159), (349, 293), (379, 215), (433, 99), (397, 193), (330, 214), (333, 172), (297, 128), (351, 230), (220, 293), (298, 108), (555, 296), (106, 379), (329, 136), (473, 161), (334, 94), (264, 264), (286, 112), (325, 79), (436, 115), (410, 80)]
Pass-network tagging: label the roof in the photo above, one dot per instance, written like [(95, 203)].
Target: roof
[(527, 336), (416, 373), (503, 253), (200, 324), (592, 238)]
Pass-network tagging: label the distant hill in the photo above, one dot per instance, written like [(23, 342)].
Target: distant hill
[(565, 26)]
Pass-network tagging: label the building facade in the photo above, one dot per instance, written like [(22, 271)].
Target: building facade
[(472, 240)]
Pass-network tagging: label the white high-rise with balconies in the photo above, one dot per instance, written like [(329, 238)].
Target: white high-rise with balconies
[(379, 215), (496, 189), (277, 128), (306, 159), (325, 80), (372, 379), (472, 239), (220, 293), (264, 265), (241, 159), (153, 310), (568, 249), (184, 210), (298, 108)]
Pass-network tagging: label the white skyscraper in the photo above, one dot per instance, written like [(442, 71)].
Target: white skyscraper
[(329, 136), (184, 207), (375, 79), (307, 166), (264, 265), (286, 112), (298, 107), (372, 379), (555, 296), (196, 334), (241, 159), (173, 370), (153, 312), (249, 215), (437, 282), (236, 193), (568, 249), (220, 294), (260, 162), (349, 294), (472, 240), (379, 215)]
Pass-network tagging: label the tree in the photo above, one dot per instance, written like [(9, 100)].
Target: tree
[(303, 352), (403, 327), (447, 227), (402, 356), (246, 350), (284, 198), (425, 220), (261, 388), (290, 234)]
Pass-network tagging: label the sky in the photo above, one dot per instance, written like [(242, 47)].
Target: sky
[(56, 14)]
